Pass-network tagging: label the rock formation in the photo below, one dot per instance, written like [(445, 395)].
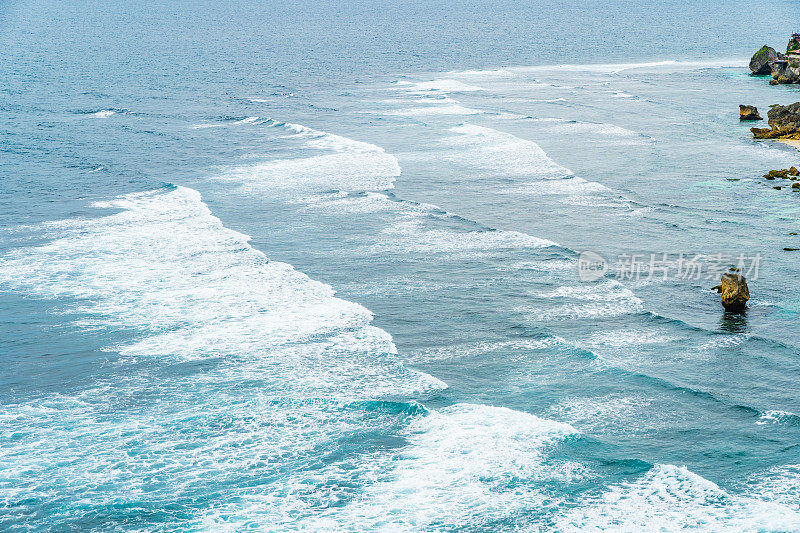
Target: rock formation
[(749, 112), (787, 174), (733, 291), (772, 174), (784, 68), (787, 71), (784, 123), (759, 64)]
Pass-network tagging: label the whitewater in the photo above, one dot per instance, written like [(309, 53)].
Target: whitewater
[(280, 347), (315, 268)]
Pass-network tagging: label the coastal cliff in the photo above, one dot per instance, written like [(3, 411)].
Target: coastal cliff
[(784, 68), (786, 71)]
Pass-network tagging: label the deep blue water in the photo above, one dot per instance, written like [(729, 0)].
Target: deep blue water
[(281, 267)]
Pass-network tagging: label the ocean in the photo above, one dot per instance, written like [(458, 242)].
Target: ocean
[(318, 266)]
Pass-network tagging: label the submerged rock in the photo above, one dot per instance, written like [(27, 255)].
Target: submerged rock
[(759, 63), (733, 291), (749, 112), (784, 123)]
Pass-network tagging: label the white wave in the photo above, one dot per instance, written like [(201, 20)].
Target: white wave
[(601, 130), (267, 362), (623, 338), (455, 473), (485, 74), (444, 85), (616, 68), (168, 268), (247, 120), (614, 412), (357, 171), (407, 229), (569, 185), (454, 109), (502, 153), (349, 165), (104, 113), (328, 141), (502, 115), (545, 85), (602, 300), (638, 212), (342, 202), (602, 291), (779, 484), (411, 235), (671, 498), (723, 341), (775, 416), (411, 238), (472, 350), (606, 130)]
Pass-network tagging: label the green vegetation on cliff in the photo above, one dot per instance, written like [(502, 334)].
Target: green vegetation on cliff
[(763, 51)]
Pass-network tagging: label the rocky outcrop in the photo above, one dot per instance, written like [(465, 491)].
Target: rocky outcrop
[(784, 123), (784, 72), (759, 64), (749, 112), (790, 173), (772, 174), (733, 291)]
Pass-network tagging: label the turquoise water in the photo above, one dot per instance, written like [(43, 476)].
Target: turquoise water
[(314, 267)]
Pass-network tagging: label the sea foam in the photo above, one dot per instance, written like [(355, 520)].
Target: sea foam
[(167, 267), (501, 152), (344, 164), (444, 85), (671, 498), (465, 465), (272, 369)]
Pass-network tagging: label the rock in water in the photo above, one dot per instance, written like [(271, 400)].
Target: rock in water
[(784, 123), (772, 174), (734, 292), (787, 71), (749, 112), (759, 64)]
